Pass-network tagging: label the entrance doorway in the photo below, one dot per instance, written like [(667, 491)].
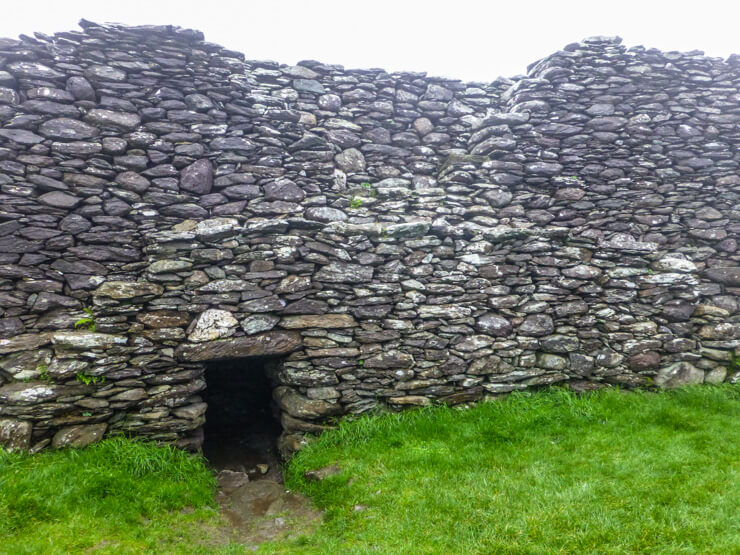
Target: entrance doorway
[(241, 430)]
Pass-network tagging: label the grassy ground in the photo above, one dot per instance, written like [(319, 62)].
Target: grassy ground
[(117, 496), (547, 472)]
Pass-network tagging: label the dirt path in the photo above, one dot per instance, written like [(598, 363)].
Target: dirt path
[(262, 510)]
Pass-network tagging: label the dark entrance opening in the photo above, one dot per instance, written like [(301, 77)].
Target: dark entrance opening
[(241, 429)]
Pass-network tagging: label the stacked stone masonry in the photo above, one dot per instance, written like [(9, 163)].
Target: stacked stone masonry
[(390, 239)]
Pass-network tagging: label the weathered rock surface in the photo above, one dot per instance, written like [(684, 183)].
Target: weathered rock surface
[(78, 436), (124, 290), (197, 177), (678, 374), (265, 344), (318, 321), (15, 435), (300, 407), (211, 325)]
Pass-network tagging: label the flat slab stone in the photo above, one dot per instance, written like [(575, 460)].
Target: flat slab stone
[(35, 392), (166, 266), (318, 321), (110, 118), (444, 311), (21, 136), (728, 275), (24, 342), (264, 344), (338, 272), (400, 231), (128, 289), (60, 199), (215, 228), (67, 129), (78, 436), (86, 340), (34, 70)]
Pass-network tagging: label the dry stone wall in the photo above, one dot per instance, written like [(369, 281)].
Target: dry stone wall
[(388, 238)]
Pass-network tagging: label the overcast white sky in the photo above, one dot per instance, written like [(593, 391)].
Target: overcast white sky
[(471, 40)]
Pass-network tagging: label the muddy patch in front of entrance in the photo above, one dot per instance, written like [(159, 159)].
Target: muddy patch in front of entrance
[(262, 510)]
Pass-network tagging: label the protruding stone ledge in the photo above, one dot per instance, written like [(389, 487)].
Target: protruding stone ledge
[(35, 392), (399, 231), (80, 340), (24, 342), (125, 290), (217, 228), (496, 234), (265, 344), (328, 321)]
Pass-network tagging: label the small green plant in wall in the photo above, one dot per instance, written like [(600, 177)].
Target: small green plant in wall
[(44, 373), (370, 189), (356, 202), (87, 322), (88, 379)]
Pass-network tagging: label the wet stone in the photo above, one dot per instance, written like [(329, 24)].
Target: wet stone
[(494, 325), (80, 88), (197, 178), (21, 136), (15, 435), (318, 321), (11, 326), (299, 406), (33, 70), (212, 324), (308, 85), (338, 272), (284, 189), (258, 323), (78, 436), (58, 199), (537, 325), (351, 161), (271, 343), (105, 73), (67, 129), (325, 214), (110, 118), (124, 290), (726, 275), (677, 375)]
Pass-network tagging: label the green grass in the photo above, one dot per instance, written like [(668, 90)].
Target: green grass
[(545, 472), (118, 496)]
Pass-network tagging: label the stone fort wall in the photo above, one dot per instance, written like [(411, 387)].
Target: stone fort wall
[(391, 239)]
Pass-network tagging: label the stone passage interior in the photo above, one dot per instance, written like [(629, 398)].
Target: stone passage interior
[(241, 429)]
